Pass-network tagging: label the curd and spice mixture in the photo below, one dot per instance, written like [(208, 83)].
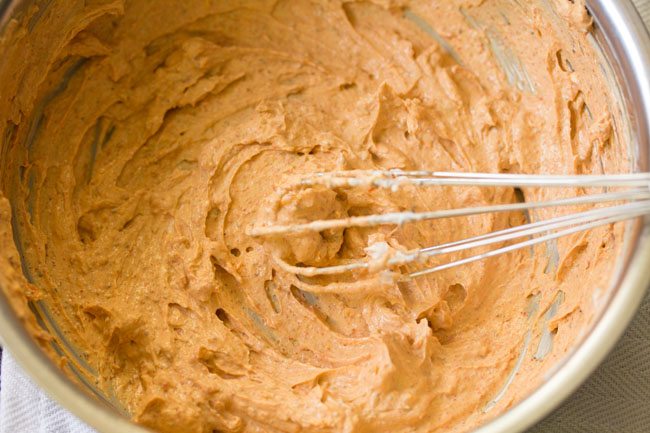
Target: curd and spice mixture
[(142, 140)]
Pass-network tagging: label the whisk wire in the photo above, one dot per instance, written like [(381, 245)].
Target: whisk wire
[(534, 241), (637, 204), (398, 178), (572, 223), (400, 218)]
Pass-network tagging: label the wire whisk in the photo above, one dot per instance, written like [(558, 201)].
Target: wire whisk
[(631, 202)]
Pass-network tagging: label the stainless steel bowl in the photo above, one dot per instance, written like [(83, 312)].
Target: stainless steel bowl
[(625, 44)]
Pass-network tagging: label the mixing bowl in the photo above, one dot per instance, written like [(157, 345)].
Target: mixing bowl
[(624, 45)]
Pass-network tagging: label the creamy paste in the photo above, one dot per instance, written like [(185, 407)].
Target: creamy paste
[(142, 140)]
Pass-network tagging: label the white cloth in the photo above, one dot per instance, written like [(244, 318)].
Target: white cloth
[(616, 399), (24, 408)]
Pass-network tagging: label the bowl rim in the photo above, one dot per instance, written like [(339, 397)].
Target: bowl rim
[(629, 39)]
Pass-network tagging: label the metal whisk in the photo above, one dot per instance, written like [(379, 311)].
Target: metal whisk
[(635, 199)]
